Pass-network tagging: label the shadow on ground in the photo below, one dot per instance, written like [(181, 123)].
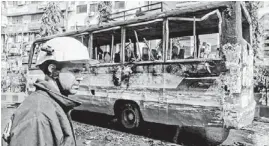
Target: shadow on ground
[(186, 136)]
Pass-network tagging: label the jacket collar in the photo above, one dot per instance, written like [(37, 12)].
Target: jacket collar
[(65, 102)]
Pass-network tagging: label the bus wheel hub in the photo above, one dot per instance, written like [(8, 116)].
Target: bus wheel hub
[(130, 116)]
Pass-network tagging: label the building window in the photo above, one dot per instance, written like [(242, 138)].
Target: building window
[(4, 4), (15, 3), (16, 20), (119, 4), (81, 2), (36, 17), (15, 98), (10, 3), (93, 8), (35, 2), (20, 3), (81, 9)]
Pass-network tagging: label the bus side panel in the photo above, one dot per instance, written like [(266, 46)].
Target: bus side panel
[(96, 104), (96, 90), (193, 109), (188, 95), (198, 116), (101, 87), (146, 99), (145, 86)]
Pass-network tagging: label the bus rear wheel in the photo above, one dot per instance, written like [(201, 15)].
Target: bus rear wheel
[(129, 116)]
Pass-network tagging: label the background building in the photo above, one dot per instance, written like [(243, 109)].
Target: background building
[(264, 19), (21, 21)]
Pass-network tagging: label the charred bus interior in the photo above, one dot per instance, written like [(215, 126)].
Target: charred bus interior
[(187, 38), (191, 36)]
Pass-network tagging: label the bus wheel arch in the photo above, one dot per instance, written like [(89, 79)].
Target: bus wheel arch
[(128, 114)]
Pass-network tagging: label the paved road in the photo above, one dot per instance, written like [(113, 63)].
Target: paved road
[(96, 135), (96, 129)]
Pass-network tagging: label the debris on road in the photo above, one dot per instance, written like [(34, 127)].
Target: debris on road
[(94, 135)]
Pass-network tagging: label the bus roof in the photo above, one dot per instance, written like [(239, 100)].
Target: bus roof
[(205, 5)]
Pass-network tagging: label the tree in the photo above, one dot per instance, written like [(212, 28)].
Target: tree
[(257, 29), (104, 9), (257, 34), (261, 73), (51, 20)]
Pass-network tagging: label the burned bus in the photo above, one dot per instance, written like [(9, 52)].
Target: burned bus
[(191, 66)]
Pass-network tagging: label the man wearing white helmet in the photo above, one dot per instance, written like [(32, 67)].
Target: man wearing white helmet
[(43, 119)]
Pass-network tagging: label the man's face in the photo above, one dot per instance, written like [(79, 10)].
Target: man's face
[(69, 79)]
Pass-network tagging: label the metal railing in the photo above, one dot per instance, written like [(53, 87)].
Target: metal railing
[(126, 13)]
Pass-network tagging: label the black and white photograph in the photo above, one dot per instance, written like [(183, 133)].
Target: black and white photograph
[(134, 73)]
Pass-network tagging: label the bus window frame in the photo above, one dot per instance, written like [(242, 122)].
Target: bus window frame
[(193, 60), (90, 46), (81, 36), (161, 20), (105, 64), (165, 40), (194, 20)]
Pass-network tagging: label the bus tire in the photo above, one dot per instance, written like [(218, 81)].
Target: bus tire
[(129, 116)]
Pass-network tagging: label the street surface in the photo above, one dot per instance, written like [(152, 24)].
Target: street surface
[(94, 135), (95, 129)]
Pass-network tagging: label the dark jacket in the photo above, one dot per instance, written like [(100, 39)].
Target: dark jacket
[(43, 119)]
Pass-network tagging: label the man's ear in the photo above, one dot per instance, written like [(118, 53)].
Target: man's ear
[(51, 68)]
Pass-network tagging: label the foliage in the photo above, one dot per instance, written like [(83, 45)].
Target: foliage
[(261, 78), (257, 30), (104, 9), (51, 20), (261, 73)]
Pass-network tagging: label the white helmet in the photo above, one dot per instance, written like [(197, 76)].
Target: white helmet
[(62, 49)]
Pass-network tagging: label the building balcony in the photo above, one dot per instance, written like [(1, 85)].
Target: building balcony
[(16, 28), (34, 25), (27, 27), (23, 10), (32, 9)]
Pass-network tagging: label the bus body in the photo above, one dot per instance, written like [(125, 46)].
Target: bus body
[(191, 66)]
